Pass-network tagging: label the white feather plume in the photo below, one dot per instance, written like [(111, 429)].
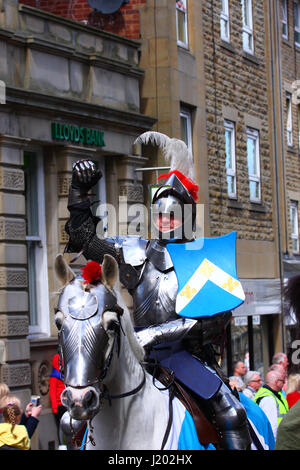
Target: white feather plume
[(175, 151)]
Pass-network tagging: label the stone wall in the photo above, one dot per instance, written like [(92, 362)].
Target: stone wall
[(236, 89), (290, 70), (66, 59), (14, 346)]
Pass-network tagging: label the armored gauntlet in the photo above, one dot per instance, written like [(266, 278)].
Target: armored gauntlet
[(84, 177)]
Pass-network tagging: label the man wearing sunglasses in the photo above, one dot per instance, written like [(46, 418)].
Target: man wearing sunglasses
[(253, 382)]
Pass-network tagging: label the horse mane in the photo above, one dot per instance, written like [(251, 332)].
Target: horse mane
[(136, 347)]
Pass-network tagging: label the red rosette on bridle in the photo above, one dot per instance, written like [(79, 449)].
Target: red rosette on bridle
[(91, 272)]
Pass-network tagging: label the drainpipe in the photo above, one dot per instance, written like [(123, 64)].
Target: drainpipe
[(273, 14)]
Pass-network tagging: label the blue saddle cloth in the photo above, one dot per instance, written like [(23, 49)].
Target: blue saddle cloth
[(187, 369)]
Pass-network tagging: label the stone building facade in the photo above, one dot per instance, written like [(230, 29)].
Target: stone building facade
[(290, 76), (213, 84), (71, 92), (238, 110), (287, 85)]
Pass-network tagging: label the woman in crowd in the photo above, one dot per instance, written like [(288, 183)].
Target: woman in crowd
[(13, 435), (293, 389)]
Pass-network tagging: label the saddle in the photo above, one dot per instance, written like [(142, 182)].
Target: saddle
[(205, 430)]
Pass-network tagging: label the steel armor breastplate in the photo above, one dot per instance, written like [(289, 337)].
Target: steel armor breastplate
[(154, 297)]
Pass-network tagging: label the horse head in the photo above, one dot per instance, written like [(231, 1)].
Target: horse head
[(88, 323)]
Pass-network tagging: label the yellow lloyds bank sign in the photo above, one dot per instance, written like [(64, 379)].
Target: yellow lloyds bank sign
[(76, 134)]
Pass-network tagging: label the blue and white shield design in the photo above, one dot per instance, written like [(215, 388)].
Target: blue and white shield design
[(207, 277)]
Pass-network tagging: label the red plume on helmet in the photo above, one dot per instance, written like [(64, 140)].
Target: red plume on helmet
[(91, 272), (191, 187)]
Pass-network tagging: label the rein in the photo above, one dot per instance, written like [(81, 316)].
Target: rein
[(110, 397), (105, 392)]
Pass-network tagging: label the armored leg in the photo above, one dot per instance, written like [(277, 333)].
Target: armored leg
[(230, 420)]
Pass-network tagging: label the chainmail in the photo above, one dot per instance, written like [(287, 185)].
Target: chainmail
[(84, 238)]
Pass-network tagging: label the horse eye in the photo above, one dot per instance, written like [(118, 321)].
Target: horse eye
[(113, 325), (59, 319)]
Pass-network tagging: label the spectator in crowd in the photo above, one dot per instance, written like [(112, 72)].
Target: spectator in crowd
[(253, 382), (4, 390), (261, 431), (239, 369), (13, 435), (29, 418), (271, 399), (288, 433), (236, 382), (56, 386), (293, 389), (281, 359), (283, 370)]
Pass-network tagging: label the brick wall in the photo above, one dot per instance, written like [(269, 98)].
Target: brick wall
[(237, 82), (125, 22)]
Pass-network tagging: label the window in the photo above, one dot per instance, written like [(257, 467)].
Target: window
[(297, 23), (284, 19), (294, 226), (247, 26), (289, 120), (181, 21), (253, 159), (36, 244), (224, 21), (230, 158), (186, 129)]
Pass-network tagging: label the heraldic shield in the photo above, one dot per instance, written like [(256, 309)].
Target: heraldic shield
[(207, 277)]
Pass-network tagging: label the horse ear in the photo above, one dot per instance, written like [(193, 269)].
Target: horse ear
[(63, 271), (109, 270)]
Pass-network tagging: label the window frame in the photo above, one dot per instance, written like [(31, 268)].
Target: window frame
[(294, 223), (284, 19), (298, 116), (224, 16), (248, 29), (186, 114), (39, 242), (231, 172), (297, 27), (254, 134), (180, 43), (289, 119)]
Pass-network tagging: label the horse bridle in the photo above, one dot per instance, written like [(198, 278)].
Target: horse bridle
[(110, 307), (119, 311)]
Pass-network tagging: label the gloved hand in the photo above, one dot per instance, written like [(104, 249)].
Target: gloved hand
[(85, 175)]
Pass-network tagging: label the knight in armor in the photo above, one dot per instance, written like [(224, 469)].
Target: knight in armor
[(183, 345)]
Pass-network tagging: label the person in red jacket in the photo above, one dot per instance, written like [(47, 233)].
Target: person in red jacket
[(56, 386), (293, 389)]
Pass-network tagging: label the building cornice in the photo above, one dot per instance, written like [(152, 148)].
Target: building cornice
[(33, 42), (31, 102)]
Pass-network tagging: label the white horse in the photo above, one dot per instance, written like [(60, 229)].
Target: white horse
[(106, 382)]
